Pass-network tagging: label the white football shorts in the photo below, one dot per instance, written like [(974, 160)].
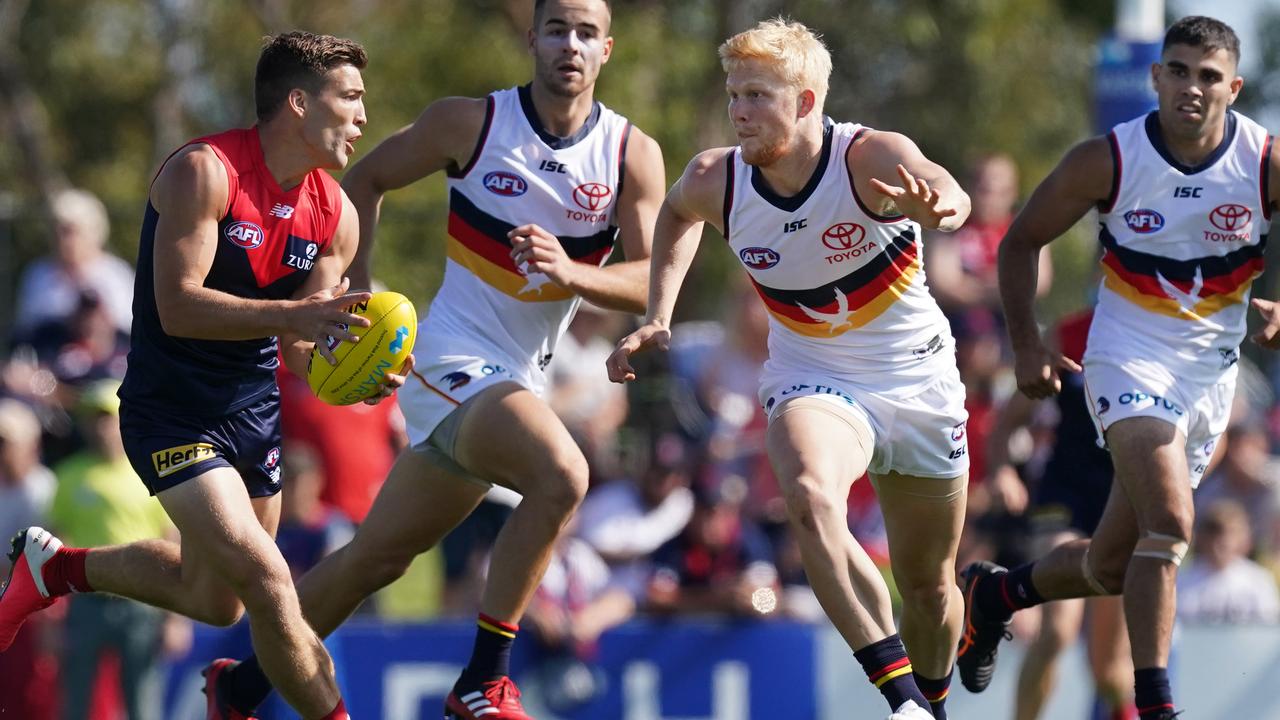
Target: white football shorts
[(446, 374), (920, 434), (1141, 388)]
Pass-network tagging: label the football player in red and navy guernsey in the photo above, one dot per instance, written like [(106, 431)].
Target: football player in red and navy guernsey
[(245, 240)]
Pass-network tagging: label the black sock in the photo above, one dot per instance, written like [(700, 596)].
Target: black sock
[(491, 657), (1151, 692), (889, 669), (935, 691), (247, 685), (999, 596)]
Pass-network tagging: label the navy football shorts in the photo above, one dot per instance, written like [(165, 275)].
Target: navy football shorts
[(167, 449)]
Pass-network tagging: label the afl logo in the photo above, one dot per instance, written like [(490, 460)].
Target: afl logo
[(273, 458), (593, 196), (957, 432), (758, 258), (1230, 216), (245, 234), (843, 236), (505, 184), (1143, 220)]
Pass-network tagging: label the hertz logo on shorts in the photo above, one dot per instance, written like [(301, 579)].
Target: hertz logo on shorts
[(174, 459)]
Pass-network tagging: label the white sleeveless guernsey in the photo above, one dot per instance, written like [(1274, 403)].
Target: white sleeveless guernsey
[(1182, 246), (845, 288), (519, 174)]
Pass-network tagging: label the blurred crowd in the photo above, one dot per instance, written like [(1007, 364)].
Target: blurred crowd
[(683, 517)]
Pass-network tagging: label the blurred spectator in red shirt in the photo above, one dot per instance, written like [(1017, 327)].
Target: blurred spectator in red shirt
[(962, 265), (355, 444)]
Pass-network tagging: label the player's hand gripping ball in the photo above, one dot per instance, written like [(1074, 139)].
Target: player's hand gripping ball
[(362, 366)]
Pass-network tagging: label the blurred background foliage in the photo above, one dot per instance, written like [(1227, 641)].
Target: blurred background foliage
[(97, 94)]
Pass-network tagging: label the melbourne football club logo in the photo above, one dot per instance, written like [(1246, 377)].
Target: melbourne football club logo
[(1143, 220), (759, 258), (1230, 216), (843, 235), (593, 196), (505, 184), (245, 234)]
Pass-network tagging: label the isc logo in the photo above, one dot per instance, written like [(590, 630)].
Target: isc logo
[(758, 258), (244, 234), (1144, 221), (505, 184)]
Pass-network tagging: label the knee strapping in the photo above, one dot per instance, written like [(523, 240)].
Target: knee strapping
[(1161, 547), (1090, 578)]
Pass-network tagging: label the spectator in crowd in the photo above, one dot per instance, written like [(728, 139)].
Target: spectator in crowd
[(721, 564), (962, 265), (354, 445), (1250, 475), (591, 407), (626, 521), (574, 605), (100, 502), (309, 529), (26, 486), (50, 288), (1221, 584), (85, 346), (27, 669)]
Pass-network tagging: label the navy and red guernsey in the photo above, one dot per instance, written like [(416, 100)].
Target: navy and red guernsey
[(268, 242)]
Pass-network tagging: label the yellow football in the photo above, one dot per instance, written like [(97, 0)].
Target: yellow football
[(382, 349)]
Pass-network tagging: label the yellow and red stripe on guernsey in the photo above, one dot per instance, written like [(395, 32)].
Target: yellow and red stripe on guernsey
[(852, 301), (478, 241)]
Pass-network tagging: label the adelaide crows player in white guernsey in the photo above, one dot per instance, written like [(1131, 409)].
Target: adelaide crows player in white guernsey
[(861, 374), (1184, 198), (542, 179)]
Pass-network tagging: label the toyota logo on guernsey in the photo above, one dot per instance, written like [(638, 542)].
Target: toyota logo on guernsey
[(1143, 220), (244, 234), (1230, 216), (849, 240), (594, 198), (1233, 220), (500, 182), (843, 236), (758, 258)]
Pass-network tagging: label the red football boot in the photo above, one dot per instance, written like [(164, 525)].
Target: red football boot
[(25, 591), (219, 708), (495, 700)]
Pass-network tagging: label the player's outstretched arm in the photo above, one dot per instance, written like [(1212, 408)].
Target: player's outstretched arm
[(618, 286), (190, 195), (443, 137), (1081, 181), (891, 172), (696, 198)]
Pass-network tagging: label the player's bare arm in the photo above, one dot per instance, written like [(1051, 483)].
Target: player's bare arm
[(890, 175), (190, 196), (618, 286), (1081, 181), (1269, 335), (443, 137), (696, 198)]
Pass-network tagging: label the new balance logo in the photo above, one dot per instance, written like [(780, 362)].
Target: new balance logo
[(281, 210)]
